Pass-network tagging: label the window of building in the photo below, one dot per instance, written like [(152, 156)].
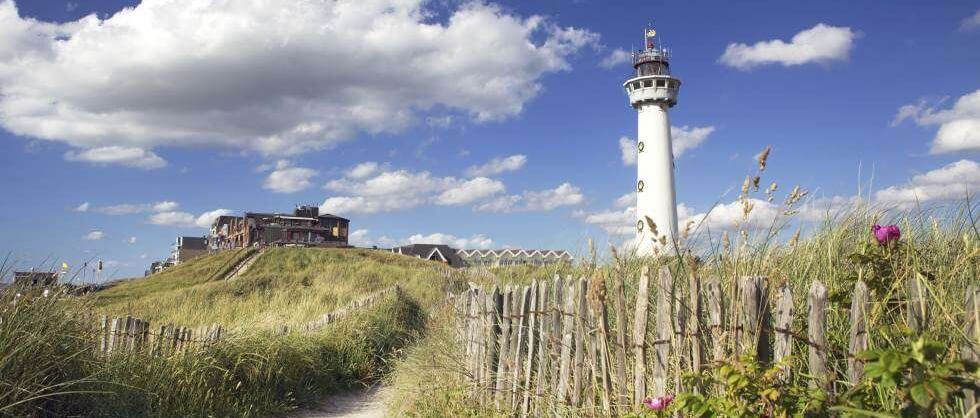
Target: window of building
[(647, 83), (636, 85), (661, 83)]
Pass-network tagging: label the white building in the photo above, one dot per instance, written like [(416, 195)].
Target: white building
[(652, 91), (514, 257)]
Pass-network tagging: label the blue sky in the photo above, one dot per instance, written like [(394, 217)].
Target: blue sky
[(178, 112)]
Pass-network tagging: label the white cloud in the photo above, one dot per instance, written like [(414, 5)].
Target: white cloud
[(971, 22), (615, 58), (731, 215), (625, 201), (131, 240), (564, 195), (359, 238), (627, 147), (478, 241), (363, 170), (949, 182), (83, 207), (287, 179), (819, 44), (497, 166), (684, 139), (94, 236), (187, 220), (372, 190), (470, 191), (131, 208), (279, 78), (125, 156), (959, 126)]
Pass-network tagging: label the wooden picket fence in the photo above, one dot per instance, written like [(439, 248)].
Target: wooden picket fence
[(549, 348), (135, 334)]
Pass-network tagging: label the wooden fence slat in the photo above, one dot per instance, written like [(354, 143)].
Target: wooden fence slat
[(517, 346), (579, 371), (694, 334), (104, 334), (970, 347), (918, 309), (753, 316), (567, 334), (557, 323), (816, 332), (113, 335), (602, 346), (664, 332), (492, 330), (858, 341), (783, 327), (639, 336), (622, 386), (532, 331), (544, 348), (504, 349), (716, 318)]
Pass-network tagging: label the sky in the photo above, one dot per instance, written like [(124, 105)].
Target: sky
[(125, 124)]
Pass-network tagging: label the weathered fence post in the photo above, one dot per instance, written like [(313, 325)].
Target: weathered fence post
[(532, 331), (640, 334), (581, 333), (544, 346), (970, 347), (521, 327), (103, 334), (602, 346), (504, 346), (567, 333), (493, 327), (622, 386), (694, 334), (859, 332), (716, 318), (918, 310), (754, 316), (664, 333), (783, 328), (816, 332)]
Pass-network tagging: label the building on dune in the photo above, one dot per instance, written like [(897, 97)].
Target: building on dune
[(35, 278), (514, 257), (435, 252), (188, 248), (306, 227)]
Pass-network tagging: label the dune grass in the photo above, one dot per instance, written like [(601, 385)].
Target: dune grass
[(283, 286)]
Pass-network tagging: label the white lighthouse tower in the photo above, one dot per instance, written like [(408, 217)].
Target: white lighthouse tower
[(652, 91)]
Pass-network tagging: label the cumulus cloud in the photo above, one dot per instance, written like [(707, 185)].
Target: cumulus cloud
[(361, 237), (564, 195), (125, 156), (94, 236), (949, 182), (498, 165), (819, 44), (378, 189), (187, 220), (971, 23), (615, 58), (131, 240), (684, 139), (288, 179), (83, 207), (279, 78), (959, 126)]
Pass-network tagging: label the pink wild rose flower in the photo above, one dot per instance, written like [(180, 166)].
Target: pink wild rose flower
[(659, 403), (886, 234)]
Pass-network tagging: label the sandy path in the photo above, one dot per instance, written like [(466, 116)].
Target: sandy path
[(366, 403)]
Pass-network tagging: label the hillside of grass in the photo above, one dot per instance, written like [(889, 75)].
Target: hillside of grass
[(283, 286)]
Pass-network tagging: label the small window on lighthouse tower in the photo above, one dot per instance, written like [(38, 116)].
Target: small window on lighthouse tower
[(639, 186), (647, 83), (661, 83), (639, 226), (640, 146)]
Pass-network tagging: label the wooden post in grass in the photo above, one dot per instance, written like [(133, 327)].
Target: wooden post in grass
[(567, 333), (103, 334), (532, 335), (783, 328), (504, 346), (754, 316), (492, 330), (970, 347), (918, 309), (663, 334), (694, 334), (816, 333), (557, 319), (602, 348), (639, 335), (858, 341), (113, 336), (581, 333), (716, 318), (520, 322), (622, 386), (544, 347)]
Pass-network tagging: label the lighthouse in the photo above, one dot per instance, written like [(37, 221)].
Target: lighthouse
[(652, 91)]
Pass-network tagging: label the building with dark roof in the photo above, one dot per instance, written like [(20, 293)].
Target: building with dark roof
[(188, 248), (306, 226), (435, 252), (514, 256), (35, 278)]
